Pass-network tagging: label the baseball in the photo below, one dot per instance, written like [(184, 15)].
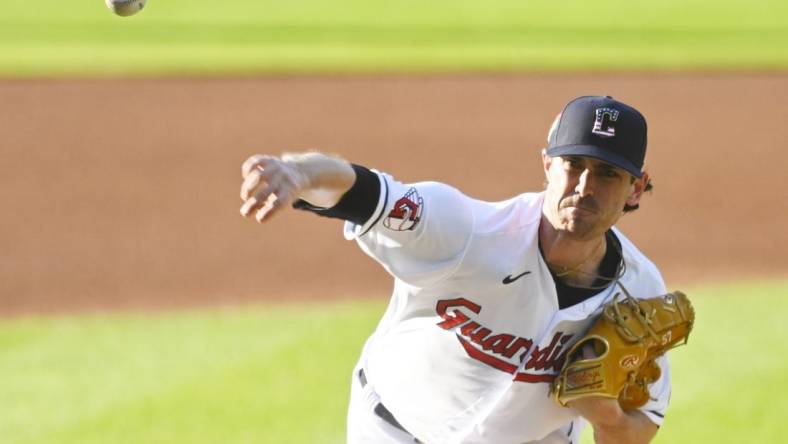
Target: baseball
[(125, 8)]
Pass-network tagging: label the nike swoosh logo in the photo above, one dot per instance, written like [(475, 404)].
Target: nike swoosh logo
[(509, 279)]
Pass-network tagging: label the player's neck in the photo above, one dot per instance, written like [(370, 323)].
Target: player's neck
[(574, 261)]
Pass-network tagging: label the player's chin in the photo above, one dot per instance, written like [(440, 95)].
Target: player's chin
[(579, 218), (580, 228)]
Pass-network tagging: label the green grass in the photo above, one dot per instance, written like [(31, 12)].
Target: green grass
[(281, 374), (238, 376), (52, 38)]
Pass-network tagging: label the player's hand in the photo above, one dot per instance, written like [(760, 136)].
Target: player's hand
[(269, 184)]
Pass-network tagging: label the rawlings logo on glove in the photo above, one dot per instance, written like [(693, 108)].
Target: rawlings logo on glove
[(615, 358)]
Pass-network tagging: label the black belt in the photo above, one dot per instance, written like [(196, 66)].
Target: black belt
[(381, 410)]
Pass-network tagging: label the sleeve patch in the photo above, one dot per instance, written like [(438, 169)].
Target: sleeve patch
[(406, 213)]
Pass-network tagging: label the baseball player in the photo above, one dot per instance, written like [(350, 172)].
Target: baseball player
[(488, 296)]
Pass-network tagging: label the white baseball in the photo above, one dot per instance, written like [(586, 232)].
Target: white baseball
[(125, 8)]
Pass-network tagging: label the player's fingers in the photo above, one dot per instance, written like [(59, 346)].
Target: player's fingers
[(254, 203), (271, 207), (251, 182), (273, 176), (588, 351), (253, 162), (247, 206)]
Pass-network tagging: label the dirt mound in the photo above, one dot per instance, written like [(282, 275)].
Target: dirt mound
[(124, 194)]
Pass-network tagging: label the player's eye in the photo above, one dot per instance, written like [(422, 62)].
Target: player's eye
[(573, 162), (610, 174)]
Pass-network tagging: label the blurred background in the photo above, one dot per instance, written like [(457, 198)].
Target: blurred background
[(138, 306)]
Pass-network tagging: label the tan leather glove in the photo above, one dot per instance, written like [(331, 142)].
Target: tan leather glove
[(626, 339)]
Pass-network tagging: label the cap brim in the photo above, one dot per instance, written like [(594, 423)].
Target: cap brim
[(597, 153)]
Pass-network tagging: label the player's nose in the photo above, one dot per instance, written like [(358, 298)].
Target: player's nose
[(585, 184)]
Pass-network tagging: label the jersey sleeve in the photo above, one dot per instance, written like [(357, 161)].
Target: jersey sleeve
[(656, 407), (417, 232)]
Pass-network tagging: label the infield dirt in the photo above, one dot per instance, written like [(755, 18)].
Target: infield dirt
[(124, 193)]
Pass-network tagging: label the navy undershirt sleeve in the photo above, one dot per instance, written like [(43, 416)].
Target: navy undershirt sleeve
[(357, 204)]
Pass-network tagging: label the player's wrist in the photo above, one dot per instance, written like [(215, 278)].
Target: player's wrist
[(631, 427), (296, 167), (602, 413), (320, 179), (317, 170)]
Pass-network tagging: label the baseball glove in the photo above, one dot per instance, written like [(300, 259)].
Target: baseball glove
[(626, 339)]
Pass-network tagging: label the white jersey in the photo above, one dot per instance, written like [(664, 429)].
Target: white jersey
[(473, 334)]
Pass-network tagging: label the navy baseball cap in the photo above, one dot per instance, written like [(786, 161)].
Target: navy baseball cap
[(603, 128)]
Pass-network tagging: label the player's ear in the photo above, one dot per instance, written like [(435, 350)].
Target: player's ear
[(638, 188), (546, 162)]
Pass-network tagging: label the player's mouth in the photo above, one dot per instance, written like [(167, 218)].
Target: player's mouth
[(580, 205), (580, 210)]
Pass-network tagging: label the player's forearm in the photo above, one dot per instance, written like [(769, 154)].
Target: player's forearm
[(628, 428), (611, 424), (328, 178)]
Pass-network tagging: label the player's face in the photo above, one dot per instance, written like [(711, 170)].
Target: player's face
[(585, 196)]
